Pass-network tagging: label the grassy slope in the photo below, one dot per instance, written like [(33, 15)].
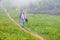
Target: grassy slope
[(10, 31), (46, 25)]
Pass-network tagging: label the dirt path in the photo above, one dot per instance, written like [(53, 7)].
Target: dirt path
[(24, 29)]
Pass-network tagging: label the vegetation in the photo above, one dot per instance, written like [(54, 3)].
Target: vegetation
[(43, 24), (10, 31), (46, 25), (45, 6)]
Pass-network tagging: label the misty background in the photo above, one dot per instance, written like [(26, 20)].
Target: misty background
[(34, 6)]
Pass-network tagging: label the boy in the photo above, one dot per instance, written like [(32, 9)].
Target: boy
[(22, 17)]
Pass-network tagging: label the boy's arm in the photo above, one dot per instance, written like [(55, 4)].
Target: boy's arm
[(19, 15)]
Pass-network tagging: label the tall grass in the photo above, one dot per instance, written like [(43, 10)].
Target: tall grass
[(43, 24), (10, 31)]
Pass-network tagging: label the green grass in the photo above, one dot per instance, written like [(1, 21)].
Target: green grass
[(46, 25), (43, 24), (10, 31)]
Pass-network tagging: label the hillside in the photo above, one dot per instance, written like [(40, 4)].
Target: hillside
[(10, 31)]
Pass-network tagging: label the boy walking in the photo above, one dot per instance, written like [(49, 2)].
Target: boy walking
[(22, 17)]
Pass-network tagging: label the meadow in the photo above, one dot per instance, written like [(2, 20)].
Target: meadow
[(10, 31), (43, 24), (46, 25)]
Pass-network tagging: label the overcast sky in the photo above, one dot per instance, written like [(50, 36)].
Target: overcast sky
[(22, 2)]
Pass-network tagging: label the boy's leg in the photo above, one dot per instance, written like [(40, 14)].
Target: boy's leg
[(22, 22)]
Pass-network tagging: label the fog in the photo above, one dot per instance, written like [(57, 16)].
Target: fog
[(22, 2), (18, 2), (39, 6)]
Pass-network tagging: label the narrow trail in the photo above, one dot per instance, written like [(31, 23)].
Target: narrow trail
[(24, 29)]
